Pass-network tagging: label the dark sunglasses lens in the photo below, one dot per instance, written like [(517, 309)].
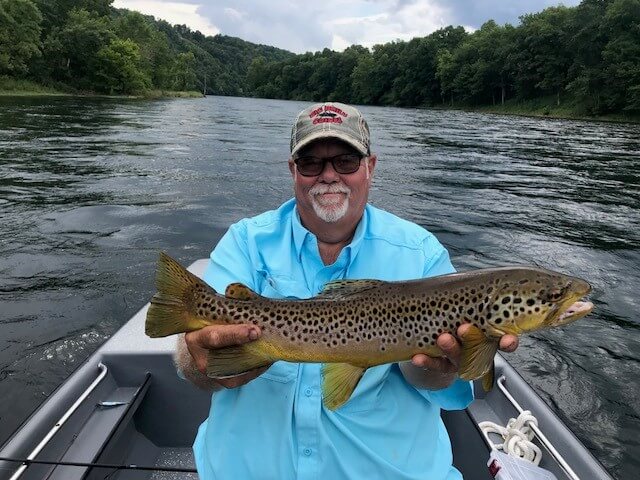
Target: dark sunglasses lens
[(309, 166), (343, 164), (346, 163)]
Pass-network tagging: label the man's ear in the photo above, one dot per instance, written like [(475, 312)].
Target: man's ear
[(373, 159), (293, 169)]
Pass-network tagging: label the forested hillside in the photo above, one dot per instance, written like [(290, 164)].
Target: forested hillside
[(586, 57), (87, 45)]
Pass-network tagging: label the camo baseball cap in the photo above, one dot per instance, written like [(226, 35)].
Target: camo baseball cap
[(330, 120)]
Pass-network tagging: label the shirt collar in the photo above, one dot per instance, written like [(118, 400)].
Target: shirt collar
[(300, 234)]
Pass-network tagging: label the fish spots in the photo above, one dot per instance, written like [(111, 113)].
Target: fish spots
[(391, 320)]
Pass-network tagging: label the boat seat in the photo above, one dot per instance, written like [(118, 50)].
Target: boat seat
[(105, 423)]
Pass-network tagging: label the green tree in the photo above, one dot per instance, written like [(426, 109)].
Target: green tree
[(345, 63), (324, 78), (72, 49), (479, 66), (364, 90), (56, 12), (19, 35), (543, 54), (621, 55), (417, 73), (118, 68), (446, 74), (587, 77), (183, 74), (156, 57), (374, 75), (417, 82)]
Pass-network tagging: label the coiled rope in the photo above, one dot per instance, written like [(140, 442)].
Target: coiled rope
[(517, 436)]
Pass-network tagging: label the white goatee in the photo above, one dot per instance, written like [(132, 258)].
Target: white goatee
[(330, 212)]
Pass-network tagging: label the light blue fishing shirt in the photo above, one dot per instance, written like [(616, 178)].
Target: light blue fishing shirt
[(276, 427)]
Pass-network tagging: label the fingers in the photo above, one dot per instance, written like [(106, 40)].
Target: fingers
[(200, 342), (439, 365), (450, 346), (447, 364), (219, 336), (452, 351), (508, 343)]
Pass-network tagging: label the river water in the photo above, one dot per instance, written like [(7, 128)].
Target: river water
[(92, 189)]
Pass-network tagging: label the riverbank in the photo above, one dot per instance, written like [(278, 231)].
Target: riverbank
[(547, 108), (24, 88)]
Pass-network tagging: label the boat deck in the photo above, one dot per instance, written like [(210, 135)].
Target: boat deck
[(127, 406)]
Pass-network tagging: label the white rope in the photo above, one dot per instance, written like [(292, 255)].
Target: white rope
[(517, 436)]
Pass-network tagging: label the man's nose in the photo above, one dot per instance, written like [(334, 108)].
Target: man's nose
[(328, 173)]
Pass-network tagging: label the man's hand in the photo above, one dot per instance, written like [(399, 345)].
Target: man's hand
[(441, 372), (200, 342)]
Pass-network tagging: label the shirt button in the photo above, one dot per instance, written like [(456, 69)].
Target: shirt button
[(308, 392), (307, 452)]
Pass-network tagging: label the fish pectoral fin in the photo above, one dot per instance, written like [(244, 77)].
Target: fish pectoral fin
[(488, 378), (345, 288), (238, 291), (237, 359), (339, 380), (478, 352)]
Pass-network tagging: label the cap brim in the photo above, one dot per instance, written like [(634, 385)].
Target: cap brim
[(329, 134)]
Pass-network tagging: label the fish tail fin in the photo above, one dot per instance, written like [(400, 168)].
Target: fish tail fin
[(478, 352), (172, 308), (238, 359)]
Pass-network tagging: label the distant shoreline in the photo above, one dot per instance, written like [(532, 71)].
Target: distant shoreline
[(535, 108), (565, 115), (25, 88), (560, 113), (152, 94)]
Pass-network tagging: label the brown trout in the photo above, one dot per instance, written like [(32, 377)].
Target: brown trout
[(356, 324)]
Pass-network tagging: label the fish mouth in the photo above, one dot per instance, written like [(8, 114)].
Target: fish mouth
[(573, 307), (575, 311)]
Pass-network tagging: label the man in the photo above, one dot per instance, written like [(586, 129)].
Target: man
[(271, 423)]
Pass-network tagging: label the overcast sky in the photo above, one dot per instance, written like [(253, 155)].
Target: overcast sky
[(310, 26)]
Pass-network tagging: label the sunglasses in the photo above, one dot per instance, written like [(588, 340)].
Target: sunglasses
[(345, 163)]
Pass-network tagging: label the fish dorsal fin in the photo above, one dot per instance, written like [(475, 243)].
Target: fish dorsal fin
[(346, 288), (339, 380), (238, 291)]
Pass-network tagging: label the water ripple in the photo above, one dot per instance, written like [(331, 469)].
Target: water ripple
[(91, 190)]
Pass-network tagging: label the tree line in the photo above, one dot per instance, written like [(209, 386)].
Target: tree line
[(87, 45), (587, 56)]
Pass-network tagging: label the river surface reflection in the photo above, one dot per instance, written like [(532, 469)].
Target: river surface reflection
[(92, 189)]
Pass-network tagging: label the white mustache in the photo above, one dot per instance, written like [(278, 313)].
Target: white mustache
[(322, 188)]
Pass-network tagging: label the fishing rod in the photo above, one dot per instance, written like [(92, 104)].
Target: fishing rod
[(27, 462)]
